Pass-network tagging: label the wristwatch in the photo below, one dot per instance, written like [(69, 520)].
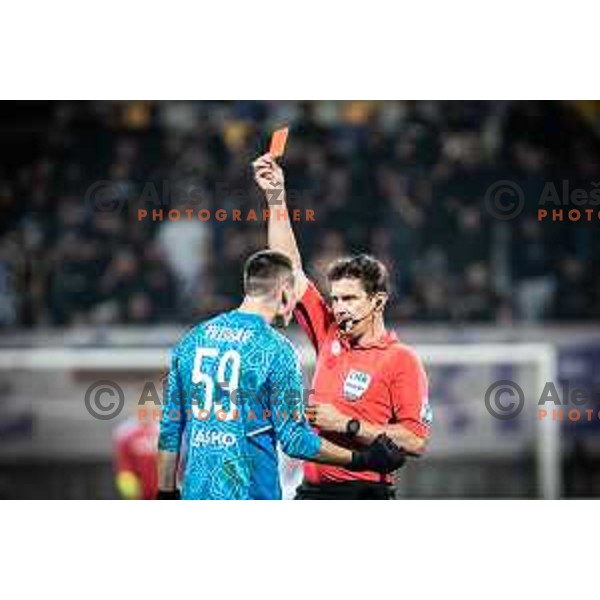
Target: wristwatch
[(352, 427)]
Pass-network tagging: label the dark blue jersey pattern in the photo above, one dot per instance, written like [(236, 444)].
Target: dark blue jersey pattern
[(234, 391)]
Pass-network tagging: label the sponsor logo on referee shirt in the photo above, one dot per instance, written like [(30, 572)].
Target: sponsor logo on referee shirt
[(356, 384)]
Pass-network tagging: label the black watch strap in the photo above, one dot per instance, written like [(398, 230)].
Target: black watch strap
[(352, 427)]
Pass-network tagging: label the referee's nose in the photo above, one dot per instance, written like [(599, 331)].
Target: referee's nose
[(340, 311)]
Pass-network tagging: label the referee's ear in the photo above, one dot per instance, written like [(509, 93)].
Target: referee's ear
[(381, 299)]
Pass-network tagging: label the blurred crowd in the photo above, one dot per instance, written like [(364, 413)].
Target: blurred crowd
[(405, 181)]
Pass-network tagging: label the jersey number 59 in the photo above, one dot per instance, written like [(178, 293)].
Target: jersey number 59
[(229, 361)]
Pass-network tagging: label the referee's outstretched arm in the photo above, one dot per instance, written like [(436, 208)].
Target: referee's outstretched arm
[(269, 177)]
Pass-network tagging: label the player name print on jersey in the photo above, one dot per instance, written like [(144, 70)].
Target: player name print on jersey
[(226, 334), (356, 384)]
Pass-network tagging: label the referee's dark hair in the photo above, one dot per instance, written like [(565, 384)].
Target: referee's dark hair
[(264, 270), (370, 271)]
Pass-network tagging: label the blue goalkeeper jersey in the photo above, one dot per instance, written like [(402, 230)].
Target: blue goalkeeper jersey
[(234, 391)]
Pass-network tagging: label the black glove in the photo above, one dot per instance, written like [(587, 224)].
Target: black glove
[(382, 456), (168, 495)]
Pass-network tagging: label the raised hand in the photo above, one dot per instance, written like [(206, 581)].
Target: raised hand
[(268, 174)]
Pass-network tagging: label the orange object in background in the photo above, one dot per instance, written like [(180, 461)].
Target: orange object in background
[(135, 446)]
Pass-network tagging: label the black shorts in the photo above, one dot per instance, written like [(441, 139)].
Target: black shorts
[(347, 490)]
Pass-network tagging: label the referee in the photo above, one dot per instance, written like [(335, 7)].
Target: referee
[(366, 381)]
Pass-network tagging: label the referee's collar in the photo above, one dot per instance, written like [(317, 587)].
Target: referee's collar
[(382, 342)]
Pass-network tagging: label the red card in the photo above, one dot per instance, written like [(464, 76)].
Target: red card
[(278, 140)]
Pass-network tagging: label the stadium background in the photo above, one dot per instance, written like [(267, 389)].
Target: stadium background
[(405, 181)]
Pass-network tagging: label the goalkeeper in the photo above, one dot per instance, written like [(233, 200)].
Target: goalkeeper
[(235, 390)]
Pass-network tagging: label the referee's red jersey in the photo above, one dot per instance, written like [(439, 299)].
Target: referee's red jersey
[(380, 383)]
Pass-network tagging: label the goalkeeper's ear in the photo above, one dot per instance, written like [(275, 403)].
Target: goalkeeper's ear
[(285, 299)]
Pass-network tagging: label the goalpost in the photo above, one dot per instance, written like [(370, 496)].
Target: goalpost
[(542, 359), (40, 378)]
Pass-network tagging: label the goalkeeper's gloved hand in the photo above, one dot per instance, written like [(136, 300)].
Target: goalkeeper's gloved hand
[(382, 456), (168, 495)]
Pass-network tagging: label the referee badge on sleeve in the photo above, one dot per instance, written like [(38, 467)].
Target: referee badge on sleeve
[(356, 384), (426, 412)]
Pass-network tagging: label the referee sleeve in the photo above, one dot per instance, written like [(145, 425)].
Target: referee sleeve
[(409, 393), (313, 315)]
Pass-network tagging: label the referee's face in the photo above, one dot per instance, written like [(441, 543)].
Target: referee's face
[(350, 304)]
